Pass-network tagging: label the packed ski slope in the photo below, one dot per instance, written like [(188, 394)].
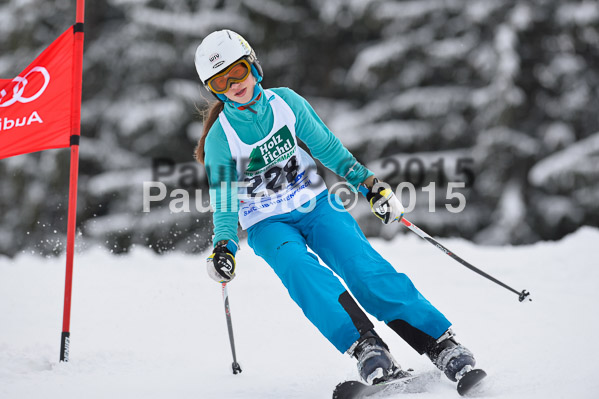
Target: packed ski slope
[(147, 326)]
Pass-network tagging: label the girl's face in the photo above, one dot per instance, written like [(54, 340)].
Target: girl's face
[(242, 92)]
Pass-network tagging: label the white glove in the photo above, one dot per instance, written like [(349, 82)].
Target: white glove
[(384, 203), (221, 263)]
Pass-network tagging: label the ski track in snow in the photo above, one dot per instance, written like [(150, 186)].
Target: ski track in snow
[(147, 326)]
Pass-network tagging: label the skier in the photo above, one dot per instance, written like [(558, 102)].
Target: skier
[(261, 178)]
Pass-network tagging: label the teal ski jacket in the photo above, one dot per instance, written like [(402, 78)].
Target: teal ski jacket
[(253, 124)]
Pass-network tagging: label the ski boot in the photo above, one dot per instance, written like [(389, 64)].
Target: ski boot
[(375, 363), (451, 357)]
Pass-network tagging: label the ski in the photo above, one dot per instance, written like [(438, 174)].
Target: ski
[(470, 380), (358, 390), (416, 383)]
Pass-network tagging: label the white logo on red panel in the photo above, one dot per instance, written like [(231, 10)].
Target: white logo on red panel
[(18, 91)]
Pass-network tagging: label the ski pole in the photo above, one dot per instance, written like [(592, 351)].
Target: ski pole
[(521, 295), (236, 367)]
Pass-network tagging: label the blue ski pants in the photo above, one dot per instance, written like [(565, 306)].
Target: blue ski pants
[(333, 234)]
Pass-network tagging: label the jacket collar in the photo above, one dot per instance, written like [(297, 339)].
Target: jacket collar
[(249, 111)]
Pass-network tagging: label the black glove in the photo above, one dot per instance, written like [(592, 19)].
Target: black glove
[(221, 263), (383, 202)]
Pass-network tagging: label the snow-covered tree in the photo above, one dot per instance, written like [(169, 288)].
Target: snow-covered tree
[(494, 94)]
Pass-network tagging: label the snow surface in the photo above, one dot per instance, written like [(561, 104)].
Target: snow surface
[(148, 326)]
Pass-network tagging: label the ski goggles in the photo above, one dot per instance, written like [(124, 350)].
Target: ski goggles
[(235, 73)]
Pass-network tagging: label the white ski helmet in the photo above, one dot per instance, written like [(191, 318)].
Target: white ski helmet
[(220, 49)]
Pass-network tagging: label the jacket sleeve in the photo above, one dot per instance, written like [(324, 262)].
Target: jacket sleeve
[(323, 144), (221, 172)]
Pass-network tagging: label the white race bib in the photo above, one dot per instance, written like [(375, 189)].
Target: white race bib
[(276, 175)]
